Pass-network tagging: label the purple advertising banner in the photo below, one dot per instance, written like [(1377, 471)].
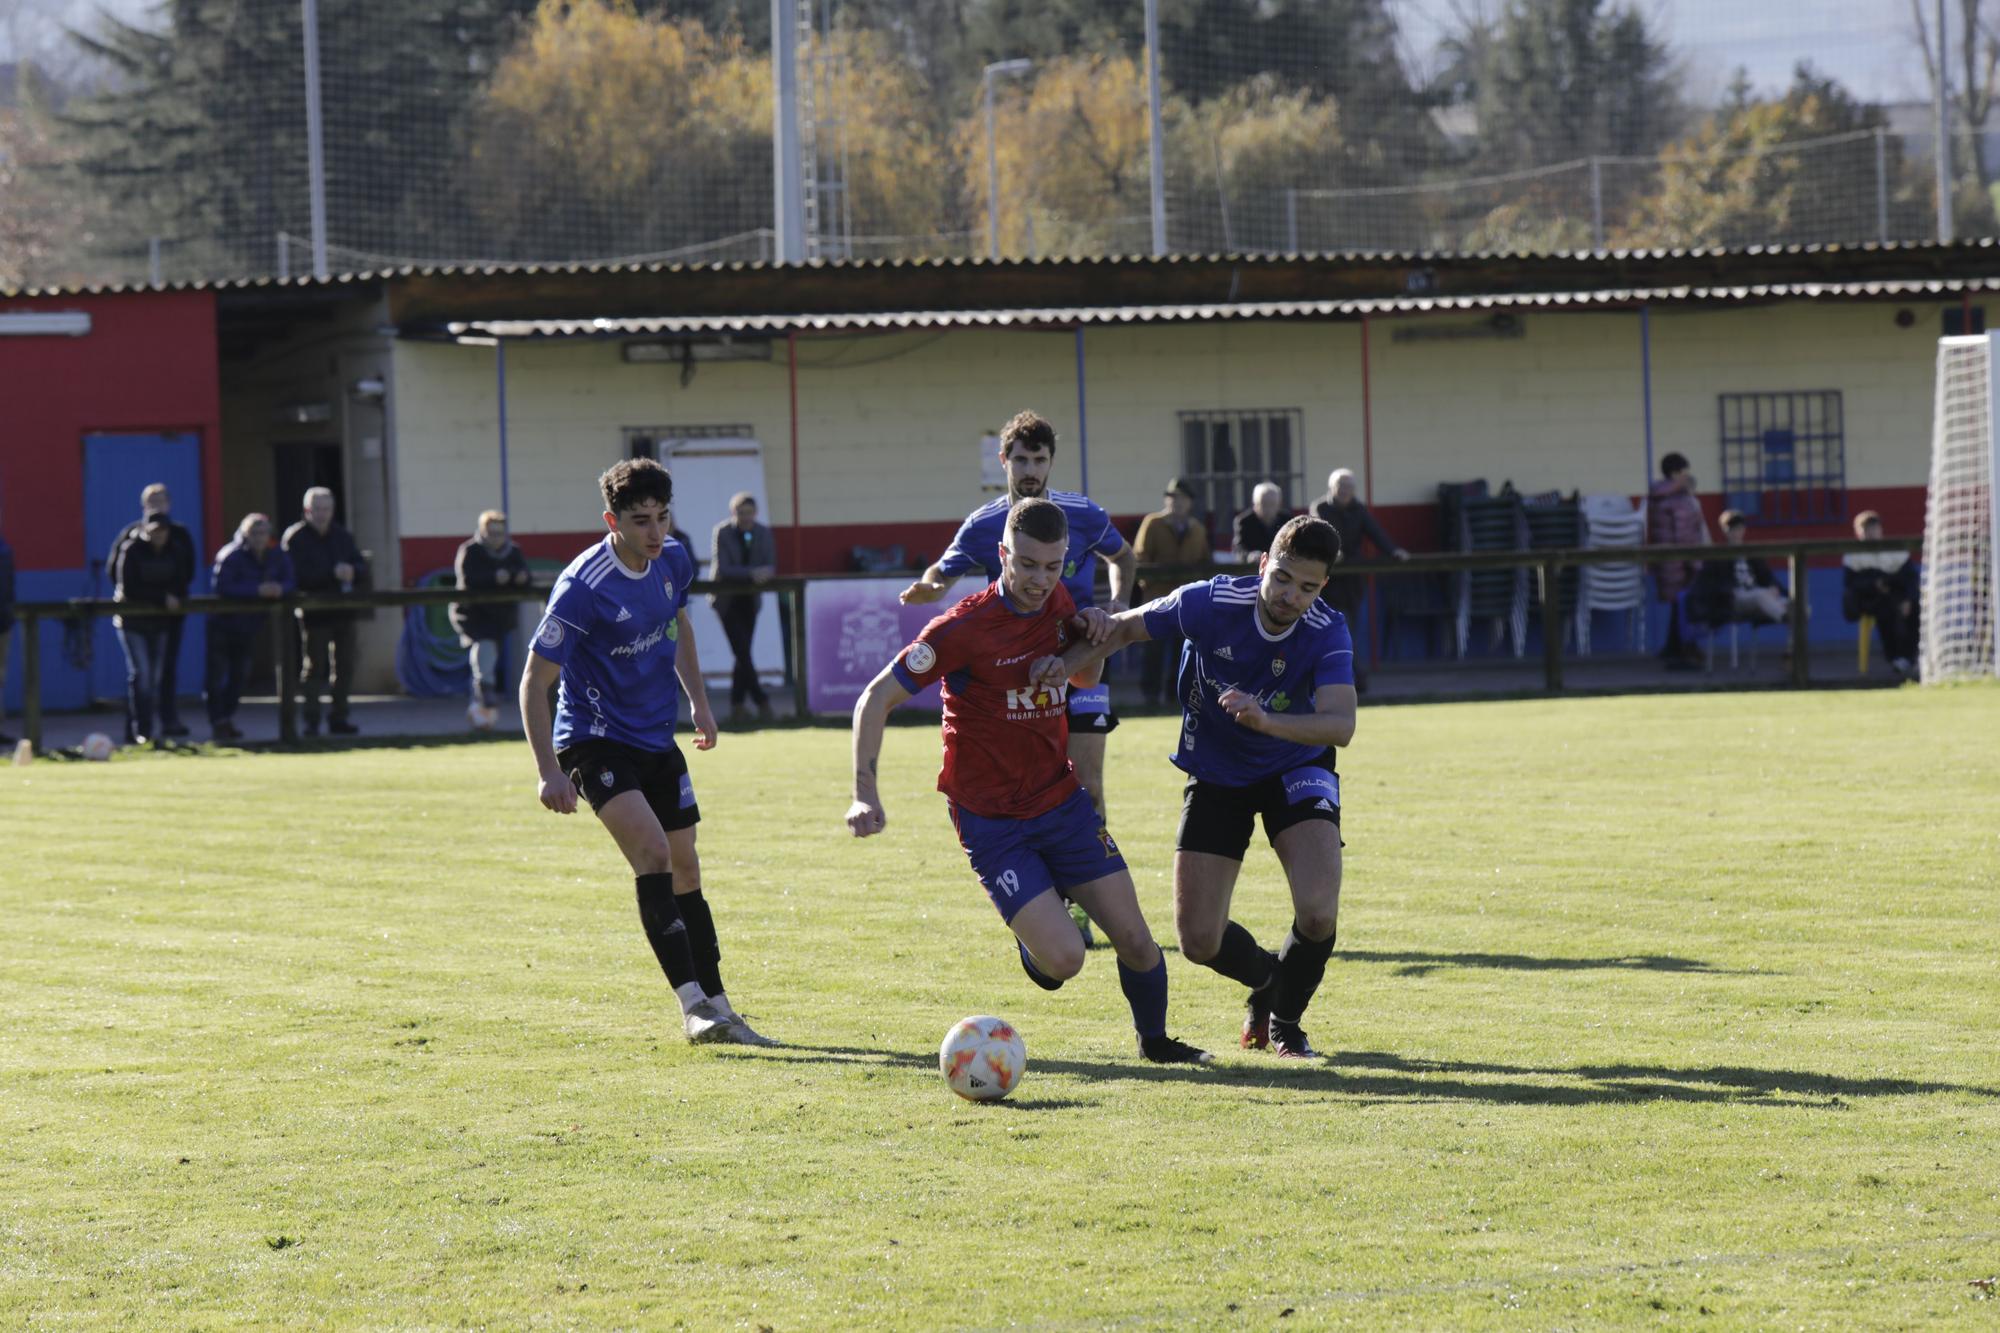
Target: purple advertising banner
[(854, 628)]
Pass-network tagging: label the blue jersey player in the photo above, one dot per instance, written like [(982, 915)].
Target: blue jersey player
[(1266, 686), (1027, 451), (616, 638)]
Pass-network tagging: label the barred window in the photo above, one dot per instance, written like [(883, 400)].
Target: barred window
[(644, 441), (1225, 454), (1784, 456)]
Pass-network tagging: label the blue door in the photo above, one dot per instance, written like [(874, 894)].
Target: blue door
[(115, 469)]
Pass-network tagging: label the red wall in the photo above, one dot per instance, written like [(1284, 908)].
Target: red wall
[(148, 364)]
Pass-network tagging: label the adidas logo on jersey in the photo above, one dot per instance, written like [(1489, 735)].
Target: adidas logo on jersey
[(623, 614), (1323, 804), (1224, 654)]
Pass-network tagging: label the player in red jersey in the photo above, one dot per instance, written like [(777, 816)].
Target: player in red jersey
[(1028, 827)]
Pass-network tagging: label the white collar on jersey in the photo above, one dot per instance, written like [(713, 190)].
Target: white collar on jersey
[(620, 565)]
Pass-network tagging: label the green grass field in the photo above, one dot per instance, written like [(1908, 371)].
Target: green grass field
[(1645, 1010)]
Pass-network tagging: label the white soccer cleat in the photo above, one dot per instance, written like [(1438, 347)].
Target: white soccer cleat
[(705, 1024), (742, 1034)]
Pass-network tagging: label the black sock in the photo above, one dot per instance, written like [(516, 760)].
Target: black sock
[(665, 930), (1301, 964), (702, 943), (1242, 959)]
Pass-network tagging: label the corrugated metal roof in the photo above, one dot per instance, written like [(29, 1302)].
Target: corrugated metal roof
[(1080, 262), (1070, 316)]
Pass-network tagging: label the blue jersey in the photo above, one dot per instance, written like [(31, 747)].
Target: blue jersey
[(977, 545), (1227, 646), (614, 633)]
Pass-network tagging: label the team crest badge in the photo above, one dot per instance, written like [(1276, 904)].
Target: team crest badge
[(921, 658), (605, 777), (551, 635), (1277, 666), (670, 588), (1110, 847)]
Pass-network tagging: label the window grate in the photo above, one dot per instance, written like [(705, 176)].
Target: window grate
[(1225, 454), (1784, 456)]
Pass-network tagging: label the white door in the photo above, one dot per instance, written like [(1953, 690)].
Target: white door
[(706, 473)]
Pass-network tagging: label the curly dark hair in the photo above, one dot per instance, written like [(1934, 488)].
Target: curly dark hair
[(629, 484), (1030, 431)]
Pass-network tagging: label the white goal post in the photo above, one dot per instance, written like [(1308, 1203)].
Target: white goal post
[(1962, 515)]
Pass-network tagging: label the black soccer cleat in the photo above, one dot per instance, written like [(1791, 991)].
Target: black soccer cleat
[(1165, 1050), (1288, 1041)]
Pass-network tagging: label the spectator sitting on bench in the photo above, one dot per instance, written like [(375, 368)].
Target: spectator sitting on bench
[(1743, 589), (1883, 584)]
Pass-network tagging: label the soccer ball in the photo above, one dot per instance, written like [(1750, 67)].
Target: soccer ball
[(982, 1058), (480, 717), (97, 746)]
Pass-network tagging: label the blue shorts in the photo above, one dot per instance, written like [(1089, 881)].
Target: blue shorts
[(1018, 860)]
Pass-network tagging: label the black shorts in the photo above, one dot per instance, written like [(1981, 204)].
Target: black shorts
[(1219, 820), (604, 769)]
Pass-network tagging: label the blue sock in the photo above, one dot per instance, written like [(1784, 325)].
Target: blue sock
[(1146, 992), (1035, 974)]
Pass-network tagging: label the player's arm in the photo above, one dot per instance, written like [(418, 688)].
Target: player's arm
[(1124, 569), (687, 665), (1082, 657), (538, 677), (1330, 723), (871, 713), (932, 584)]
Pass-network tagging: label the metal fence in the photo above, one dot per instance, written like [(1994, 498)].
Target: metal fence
[(248, 137), (1547, 564)]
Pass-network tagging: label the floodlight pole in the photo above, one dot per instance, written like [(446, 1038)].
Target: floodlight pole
[(1940, 97), (1155, 152), (1008, 67), (787, 199), (315, 137)]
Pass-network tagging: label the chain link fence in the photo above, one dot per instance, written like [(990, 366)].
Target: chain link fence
[(170, 143)]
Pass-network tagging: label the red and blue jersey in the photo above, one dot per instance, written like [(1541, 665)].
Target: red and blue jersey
[(1006, 745)]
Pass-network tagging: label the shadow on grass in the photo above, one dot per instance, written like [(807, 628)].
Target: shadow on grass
[(1417, 964), (317, 745), (1365, 1076)]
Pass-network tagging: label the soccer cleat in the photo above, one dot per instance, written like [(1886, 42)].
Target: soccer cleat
[(705, 1024), (1082, 919), (1257, 1023), (1164, 1050), (739, 1033), (1288, 1041)]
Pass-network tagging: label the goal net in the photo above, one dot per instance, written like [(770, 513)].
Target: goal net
[(1962, 515)]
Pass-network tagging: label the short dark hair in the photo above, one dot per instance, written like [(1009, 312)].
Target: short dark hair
[(1733, 518), (630, 483), (1308, 538), (1030, 431), (1673, 463), (1038, 520)]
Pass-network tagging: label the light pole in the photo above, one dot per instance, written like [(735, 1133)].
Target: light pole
[(1008, 67)]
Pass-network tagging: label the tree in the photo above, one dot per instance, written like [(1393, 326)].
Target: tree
[(43, 226), (1731, 182), (606, 132), (1565, 79), (1973, 88)]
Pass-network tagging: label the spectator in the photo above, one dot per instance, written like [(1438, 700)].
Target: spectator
[(1172, 536), (149, 576), (1673, 518), (1882, 584), (1739, 589), (251, 565), (326, 563), (1341, 507), (488, 559), (6, 627), (743, 551), (156, 499), (1257, 525)]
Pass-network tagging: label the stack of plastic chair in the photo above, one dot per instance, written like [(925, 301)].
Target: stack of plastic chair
[(1612, 521), (1555, 523), (1493, 525)]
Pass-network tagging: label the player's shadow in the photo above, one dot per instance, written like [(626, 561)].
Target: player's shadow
[(1382, 1076), (1419, 963)]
